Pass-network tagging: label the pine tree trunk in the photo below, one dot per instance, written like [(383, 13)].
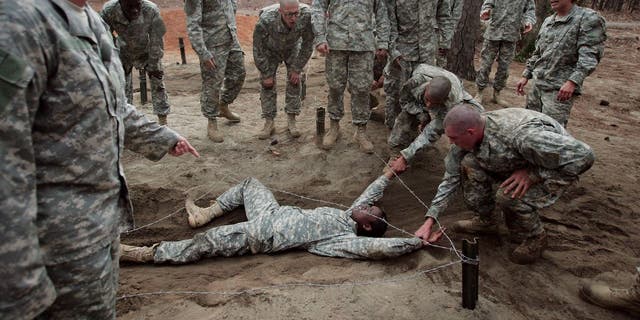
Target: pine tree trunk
[(464, 41)]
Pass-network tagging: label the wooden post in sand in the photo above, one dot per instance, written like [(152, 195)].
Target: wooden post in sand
[(182, 53), (319, 125), (143, 86), (470, 274)]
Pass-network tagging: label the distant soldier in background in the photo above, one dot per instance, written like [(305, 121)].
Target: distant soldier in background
[(569, 46), (283, 33), (447, 37), (413, 40), (140, 30), (214, 37), (344, 31), (508, 19)]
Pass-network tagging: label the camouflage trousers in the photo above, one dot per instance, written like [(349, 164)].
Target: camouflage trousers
[(405, 129), (86, 287), (520, 215), (394, 76), (504, 51), (293, 94), (546, 101), (159, 96), (222, 84), (355, 68), (252, 236)]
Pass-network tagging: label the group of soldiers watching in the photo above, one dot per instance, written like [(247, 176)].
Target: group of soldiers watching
[(66, 94)]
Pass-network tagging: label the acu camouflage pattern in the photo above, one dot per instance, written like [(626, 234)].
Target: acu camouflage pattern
[(354, 68), (413, 37), (141, 46), (64, 125), (272, 228), (452, 24), (212, 30), (514, 139), (414, 112), (567, 48), (273, 43), (506, 23), (349, 25)]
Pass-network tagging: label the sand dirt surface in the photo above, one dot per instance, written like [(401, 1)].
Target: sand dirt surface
[(594, 231)]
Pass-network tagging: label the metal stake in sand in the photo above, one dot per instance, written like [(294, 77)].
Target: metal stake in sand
[(143, 86), (182, 53), (319, 125), (470, 274)]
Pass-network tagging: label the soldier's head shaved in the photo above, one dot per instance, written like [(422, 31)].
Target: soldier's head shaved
[(371, 220), (464, 126), (437, 91), (289, 11)]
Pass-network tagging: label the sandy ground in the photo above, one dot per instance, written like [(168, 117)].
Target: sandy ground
[(594, 229)]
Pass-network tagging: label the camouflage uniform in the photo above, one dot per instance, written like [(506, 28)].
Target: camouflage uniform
[(514, 139), (271, 228), (414, 112), (505, 26), (213, 33), (413, 36), (347, 27), (273, 43), (452, 24), (141, 46), (65, 122), (567, 49)]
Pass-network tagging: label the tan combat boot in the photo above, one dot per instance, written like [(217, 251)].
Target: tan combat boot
[(476, 225), (627, 300), (213, 133), (225, 112), (479, 96), (291, 123), (332, 135), (496, 98), (137, 254), (530, 249), (361, 138), (268, 129), (198, 216), (162, 119)]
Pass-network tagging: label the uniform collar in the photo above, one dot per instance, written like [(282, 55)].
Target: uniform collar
[(75, 28)]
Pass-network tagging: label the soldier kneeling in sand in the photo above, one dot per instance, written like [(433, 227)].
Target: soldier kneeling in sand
[(353, 233)]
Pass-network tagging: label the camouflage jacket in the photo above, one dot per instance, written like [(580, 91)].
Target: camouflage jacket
[(508, 18), (272, 39), (349, 25), (412, 100), (413, 28), (64, 124), (211, 23), (567, 48), (451, 24), (140, 41), (516, 138), (332, 232)]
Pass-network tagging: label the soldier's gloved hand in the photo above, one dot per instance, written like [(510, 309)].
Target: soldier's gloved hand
[(527, 27), (520, 86), (268, 83), (484, 15), (294, 78), (158, 74)]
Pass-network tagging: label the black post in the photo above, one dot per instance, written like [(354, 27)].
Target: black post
[(182, 54), (319, 125), (143, 86), (470, 274)]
